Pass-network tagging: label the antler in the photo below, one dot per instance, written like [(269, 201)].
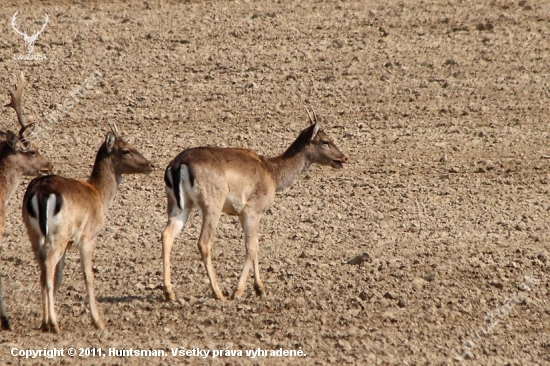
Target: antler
[(314, 119), (309, 115), (314, 115), (13, 19), (114, 129), (16, 103)]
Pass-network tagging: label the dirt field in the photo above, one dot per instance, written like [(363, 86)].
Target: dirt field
[(442, 110)]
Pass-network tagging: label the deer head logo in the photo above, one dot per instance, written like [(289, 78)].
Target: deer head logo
[(29, 40)]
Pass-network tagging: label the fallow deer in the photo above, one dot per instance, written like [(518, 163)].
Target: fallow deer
[(237, 182), (59, 212), (18, 157)]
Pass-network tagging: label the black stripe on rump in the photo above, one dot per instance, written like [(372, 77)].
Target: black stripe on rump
[(58, 203), (43, 214), (176, 180), (167, 178), (30, 208)]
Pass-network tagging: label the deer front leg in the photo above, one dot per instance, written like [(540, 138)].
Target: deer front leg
[(258, 284), (176, 222), (250, 223), (86, 248), (209, 223)]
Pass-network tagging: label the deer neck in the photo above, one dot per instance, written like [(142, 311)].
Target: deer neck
[(10, 175), (104, 177), (286, 167)]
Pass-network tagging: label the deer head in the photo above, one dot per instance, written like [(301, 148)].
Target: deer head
[(320, 148), (126, 159), (30, 160)]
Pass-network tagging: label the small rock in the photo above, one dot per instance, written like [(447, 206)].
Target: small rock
[(430, 277), (345, 345), (480, 170), (401, 304), (387, 295), (365, 257), (496, 284), (453, 170), (340, 42)]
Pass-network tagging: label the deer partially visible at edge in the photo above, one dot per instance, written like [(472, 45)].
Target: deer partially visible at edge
[(18, 157)]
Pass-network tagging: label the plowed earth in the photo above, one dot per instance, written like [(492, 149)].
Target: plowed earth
[(442, 108)]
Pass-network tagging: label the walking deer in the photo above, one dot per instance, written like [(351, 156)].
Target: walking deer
[(18, 157), (59, 212), (237, 182)]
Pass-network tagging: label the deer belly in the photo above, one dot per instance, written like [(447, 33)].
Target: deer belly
[(233, 204)]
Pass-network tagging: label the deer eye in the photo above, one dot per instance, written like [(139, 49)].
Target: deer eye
[(32, 153), (125, 151), (325, 142)]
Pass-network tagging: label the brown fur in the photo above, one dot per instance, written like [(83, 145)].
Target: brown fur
[(236, 182), (79, 220), (17, 158)]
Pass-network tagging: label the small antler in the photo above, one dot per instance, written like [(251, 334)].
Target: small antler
[(114, 129), (16, 104), (314, 115), (314, 119), (309, 115)]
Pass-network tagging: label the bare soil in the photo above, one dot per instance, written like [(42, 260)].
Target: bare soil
[(442, 108)]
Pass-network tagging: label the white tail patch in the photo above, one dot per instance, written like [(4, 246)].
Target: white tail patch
[(52, 221)]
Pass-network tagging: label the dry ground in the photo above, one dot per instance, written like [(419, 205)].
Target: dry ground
[(442, 108)]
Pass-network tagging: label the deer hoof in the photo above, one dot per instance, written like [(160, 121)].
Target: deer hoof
[(260, 290), (169, 296), (5, 323), (54, 328)]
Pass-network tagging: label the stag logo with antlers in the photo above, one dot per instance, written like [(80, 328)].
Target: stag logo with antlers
[(29, 40)]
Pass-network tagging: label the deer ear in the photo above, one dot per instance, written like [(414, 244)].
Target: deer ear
[(109, 141), (316, 129), (12, 139)]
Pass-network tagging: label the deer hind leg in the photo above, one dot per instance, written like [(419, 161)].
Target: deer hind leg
[(57, 250), (250, 223), (176, 222), (210, 217), (40, 253), (259, 287), (86, 247)]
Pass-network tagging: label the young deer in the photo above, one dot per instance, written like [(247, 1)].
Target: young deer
[(59, 212), (18, 157), (237, 182)]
